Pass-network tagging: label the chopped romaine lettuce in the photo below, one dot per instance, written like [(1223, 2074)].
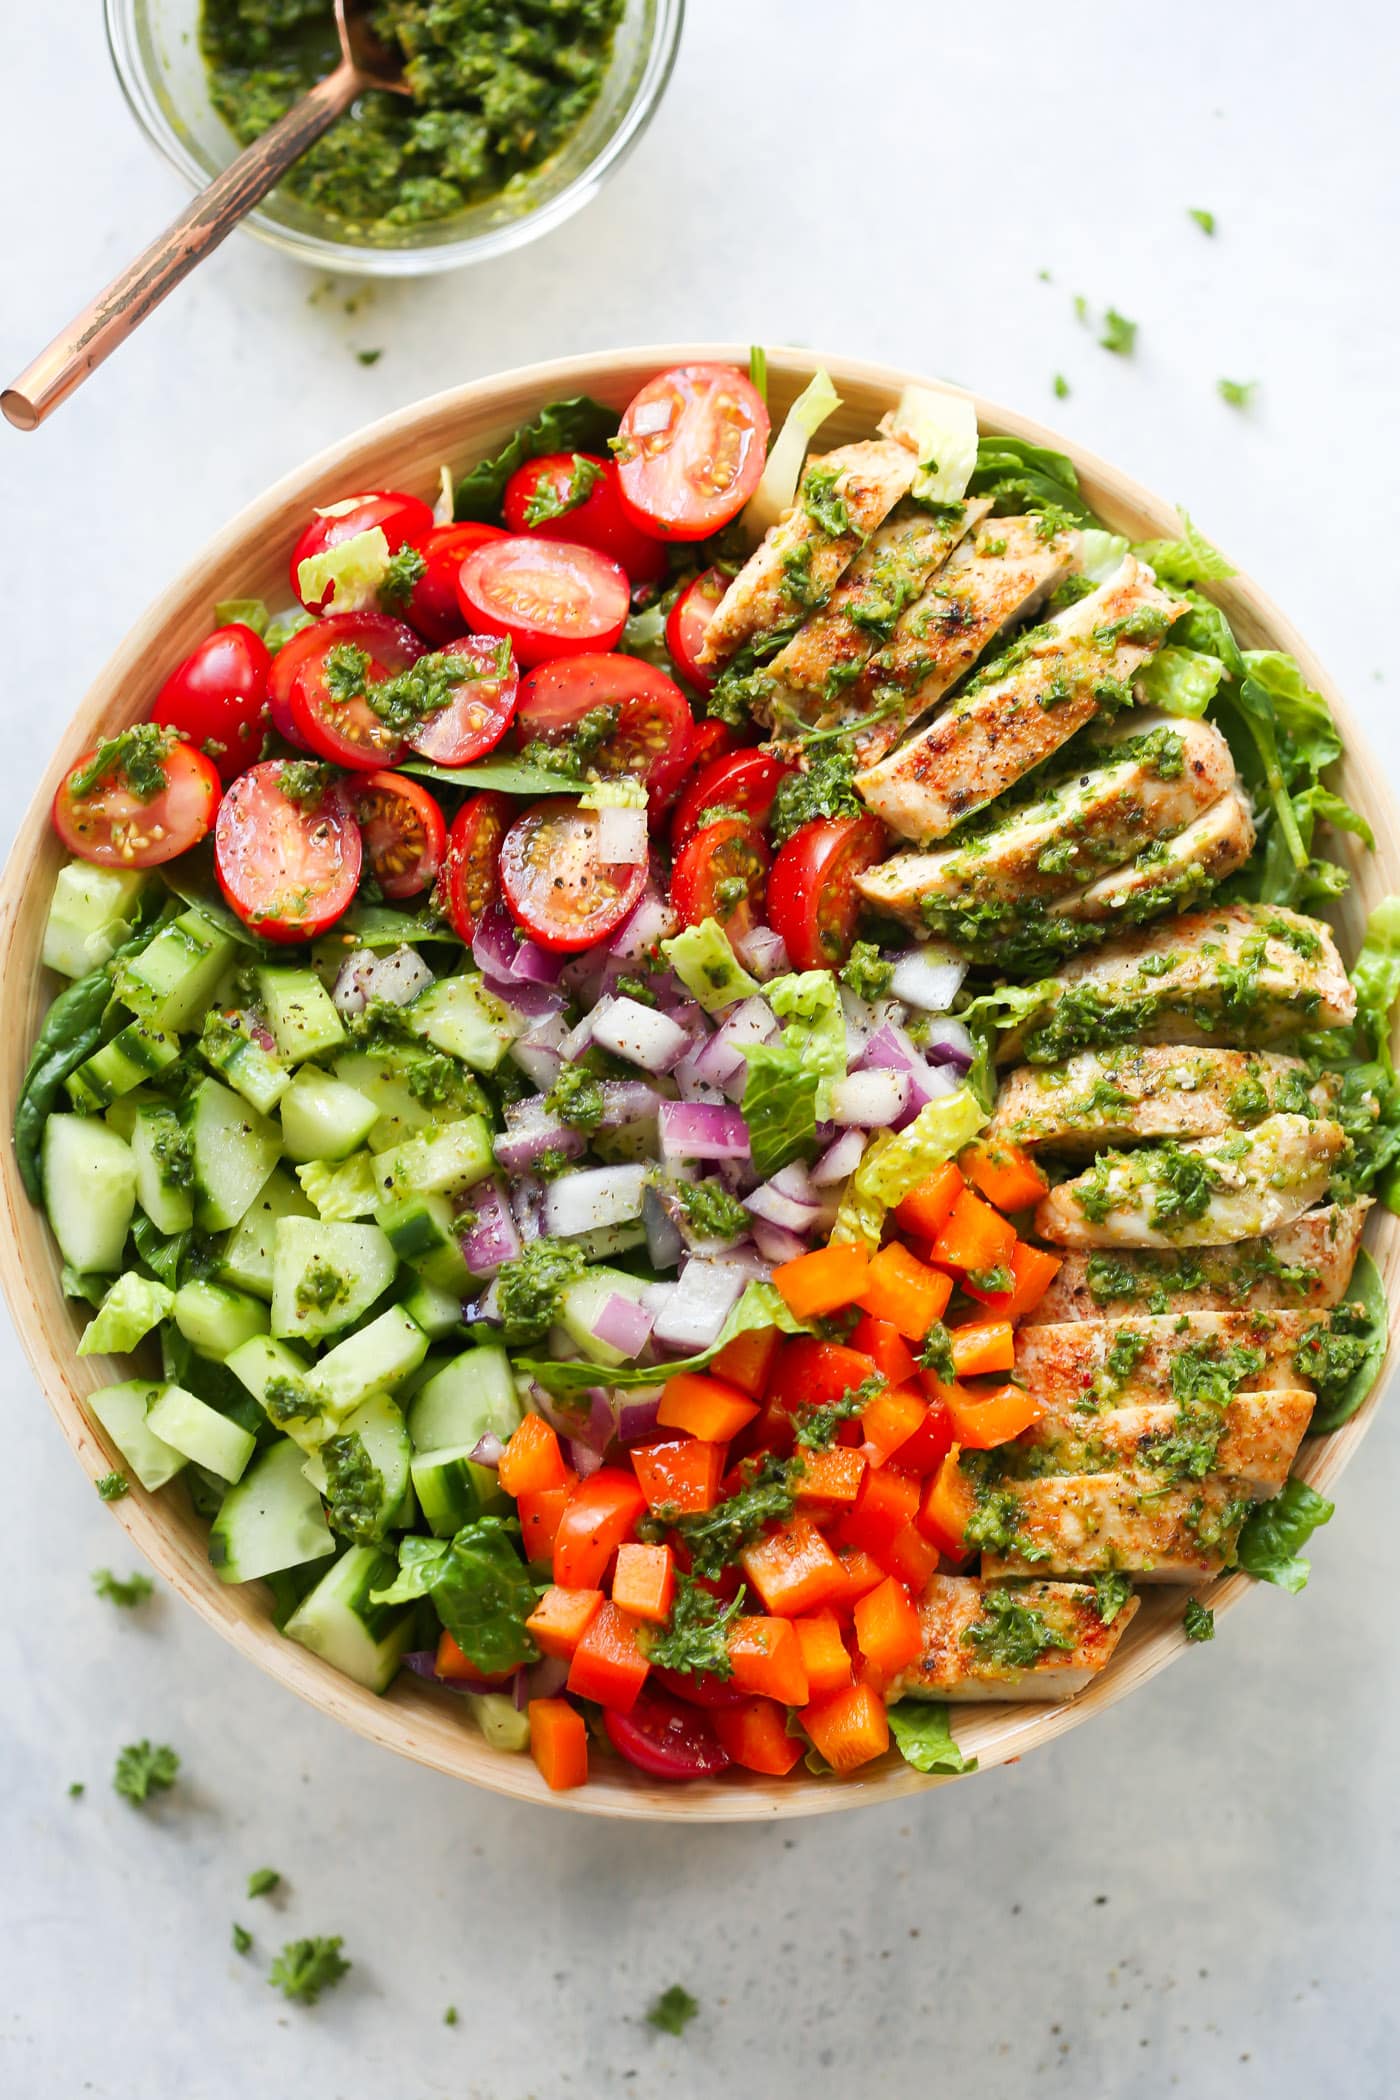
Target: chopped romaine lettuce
[(944, 429), (1100, 553), (938, 1132), (789, 1082), (132, 1307), (1189, 559), (351, 572), (777, 491), (1181, 681), (924, 1738), (708, 967)]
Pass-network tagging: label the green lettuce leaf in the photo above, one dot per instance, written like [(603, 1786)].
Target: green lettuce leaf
[(894, 1163), (707, 966), (924, 1738), (1020, 476), (789, 1082), (1181, 681), (132, 1307), (760, 1306), (777, 491), (351, 571), (1100, 553), (480, 1589), (943, 426), (242, 612), (576, 425), (1364, 1318), (1187, 560), (341, 1192), (1274, 1532), (1376, 978)]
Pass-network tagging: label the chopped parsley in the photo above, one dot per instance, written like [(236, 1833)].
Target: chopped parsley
[(823, 506), (1204, 219), (1198, 1620), (344, 672), (288, 1400), (711, 1212), (529, 1288), (1238, 392), (1011, 1635), (355, 1489), (449, 2018), (824, 788), (1184, 1184), (867, 972), (138, 754), (716, 1537), (424, 688), (695, 1639), (145, 1768), (1119, 333), (304, 782), (305, 1968), (320, 1286), (135, 1589), (1333, 1350), (817, 1426), (576, 754), (263, 1880), (577, 1098), (242, 1939), (76, 1790), (937, 1353), (1111, 1593), (112, 1486), (673, 2010), (548, 500), (993, 1281), (1061, 386), (407, 566)]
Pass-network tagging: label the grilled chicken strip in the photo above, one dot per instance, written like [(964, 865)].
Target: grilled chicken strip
[(1092, 1364), (1237, 973), (1097, 1523), (1258, 1439), (965, 1652), (843, 497), (1165, 1090), (1142, 786), (1171, 873), (1306, 1264), (995, 577), (1015, 714), (1203, 1193)]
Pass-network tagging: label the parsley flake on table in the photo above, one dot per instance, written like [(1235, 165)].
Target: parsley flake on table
[(76, 1790), (242, 1939), (1119, 333), (144, 1768), (112, 1486), (263, 1880), (1204, 219), (305, 1968), (1061, 386), (135, 1589), (449, 2018), (673, 2010), (1238, 392)]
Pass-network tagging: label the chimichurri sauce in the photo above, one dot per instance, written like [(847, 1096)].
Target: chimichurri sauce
[(498, 85)]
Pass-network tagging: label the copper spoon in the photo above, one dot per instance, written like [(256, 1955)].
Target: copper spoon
[(109, 320)]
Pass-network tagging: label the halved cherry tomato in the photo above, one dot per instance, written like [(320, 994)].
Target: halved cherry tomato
[(481, 709), (217, 697), (282, 676), (665, 1739), (722, 875), (434, 608), (745, 781), (348, 731), (691, 450), (289, 869), (557, 887), (551, 598), (712, 740), (403, 831), (117, 828), (812, 899), (700, 1688), (686, 623), (469, 879), (399, 517), (652, 740), (574, 496)]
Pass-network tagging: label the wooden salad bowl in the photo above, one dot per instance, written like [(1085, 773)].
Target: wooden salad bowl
[(248, 559)]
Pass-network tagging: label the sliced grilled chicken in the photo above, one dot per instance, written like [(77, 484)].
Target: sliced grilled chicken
[(1172, 873), (1259, 1435), (1306, 1264), (1097, 1523), (844, 496), (1165, 1090), (996, 577), (965, 1653), (1237, 973), (1203, 1193), (1092, 1364), (1015, 715), (1144, 785)]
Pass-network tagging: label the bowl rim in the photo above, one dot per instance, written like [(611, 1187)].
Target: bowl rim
[(352, 259), (414, 1719)]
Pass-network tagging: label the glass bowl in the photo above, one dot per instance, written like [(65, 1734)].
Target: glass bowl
[(155, 48)]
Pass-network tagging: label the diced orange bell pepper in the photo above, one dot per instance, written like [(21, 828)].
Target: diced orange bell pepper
[(923, 1451), (901, 1289), (532, 1462), (561, 1619), (886, 1348), (820, 1283), (705, 1407), (887, 1628), (911, 1558), (976, 1238), (598, 1516), (1005, 1173), (644, 1582), (755, 1736), (890, 1420), (559, 1743), (683, 1475), (1033, 1271), (825, 1656), (848, 1727), (982, 1346), (748, 1359), (767, 1659), (859, 1572), (832, 1477), (887, 1501), (981, 1424), (793, 1570), (948, 1503), (608, 1665), (772, 1430), (925, 1210), (813, 1373), (539, 1516), (460, 1669)]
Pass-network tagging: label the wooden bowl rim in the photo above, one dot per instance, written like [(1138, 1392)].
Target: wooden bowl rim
[(414, 1719)]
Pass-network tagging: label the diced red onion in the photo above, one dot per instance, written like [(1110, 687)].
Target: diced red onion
[(771, 1207), (795, 1180), (580, 1036), (422, 1662), (934, 1082), (663, 1233), (652, 920), (582, 1457), (623, 1324), (702, 1130), (927, 977), (531, 1130), (746, 1263), (494, 943), (398, 977), (349, 990), (715, 1062), (656, 1297), (488, 1451), (871, 1100), (861, 1023), (527, 1206), (639, 1034), (622, 836), (546, 1678), (775, 1245), (763, 953), (494, 1238), (840, 1160), (527, 1002), (538, 1062), (704, 1298), (582, 975), (637, 1418), (594, 1196), (628, 1101), (888, 1050), (950, 1043)]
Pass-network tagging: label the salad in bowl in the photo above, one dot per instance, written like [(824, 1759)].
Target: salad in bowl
[(705, 1088)]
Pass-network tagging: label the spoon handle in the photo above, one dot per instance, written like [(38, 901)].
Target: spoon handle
[(109, 320)]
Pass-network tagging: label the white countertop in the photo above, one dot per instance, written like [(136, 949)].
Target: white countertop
[(1199, 1890)]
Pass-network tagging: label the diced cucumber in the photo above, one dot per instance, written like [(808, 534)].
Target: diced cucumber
[(277, 1379), (420, 1231), (234, 1148), (133, 1055), (325, 1276), (215, 1319), (122, 1411), (171, 980), (92, 913), (300, 1012), (470, 1397), (322, 1118), (604, 1240), (438, 1313), (380, 1428), (120, 1115), (89, 1190), (205, 1436), (373, 1360), (582, 1302), (438, 1163), (413, 1086), (247, 1067), (338, 1622), (453, 1490), (246, 1261), (501, 1721), (271, 1520), (459, 1015), (161, 1152)]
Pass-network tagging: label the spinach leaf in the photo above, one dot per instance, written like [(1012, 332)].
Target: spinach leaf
[(1274, 1531), (1364, 1318), (576, 425), (924, 1738), (480, 1589), (1376, 978), (507, 776), (1020, 476), (71, 1031)]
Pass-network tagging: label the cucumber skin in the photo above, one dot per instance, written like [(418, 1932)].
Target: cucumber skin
[(89, 1183)]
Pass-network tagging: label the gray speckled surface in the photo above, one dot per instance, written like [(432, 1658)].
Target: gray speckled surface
[(1198, 1892)]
